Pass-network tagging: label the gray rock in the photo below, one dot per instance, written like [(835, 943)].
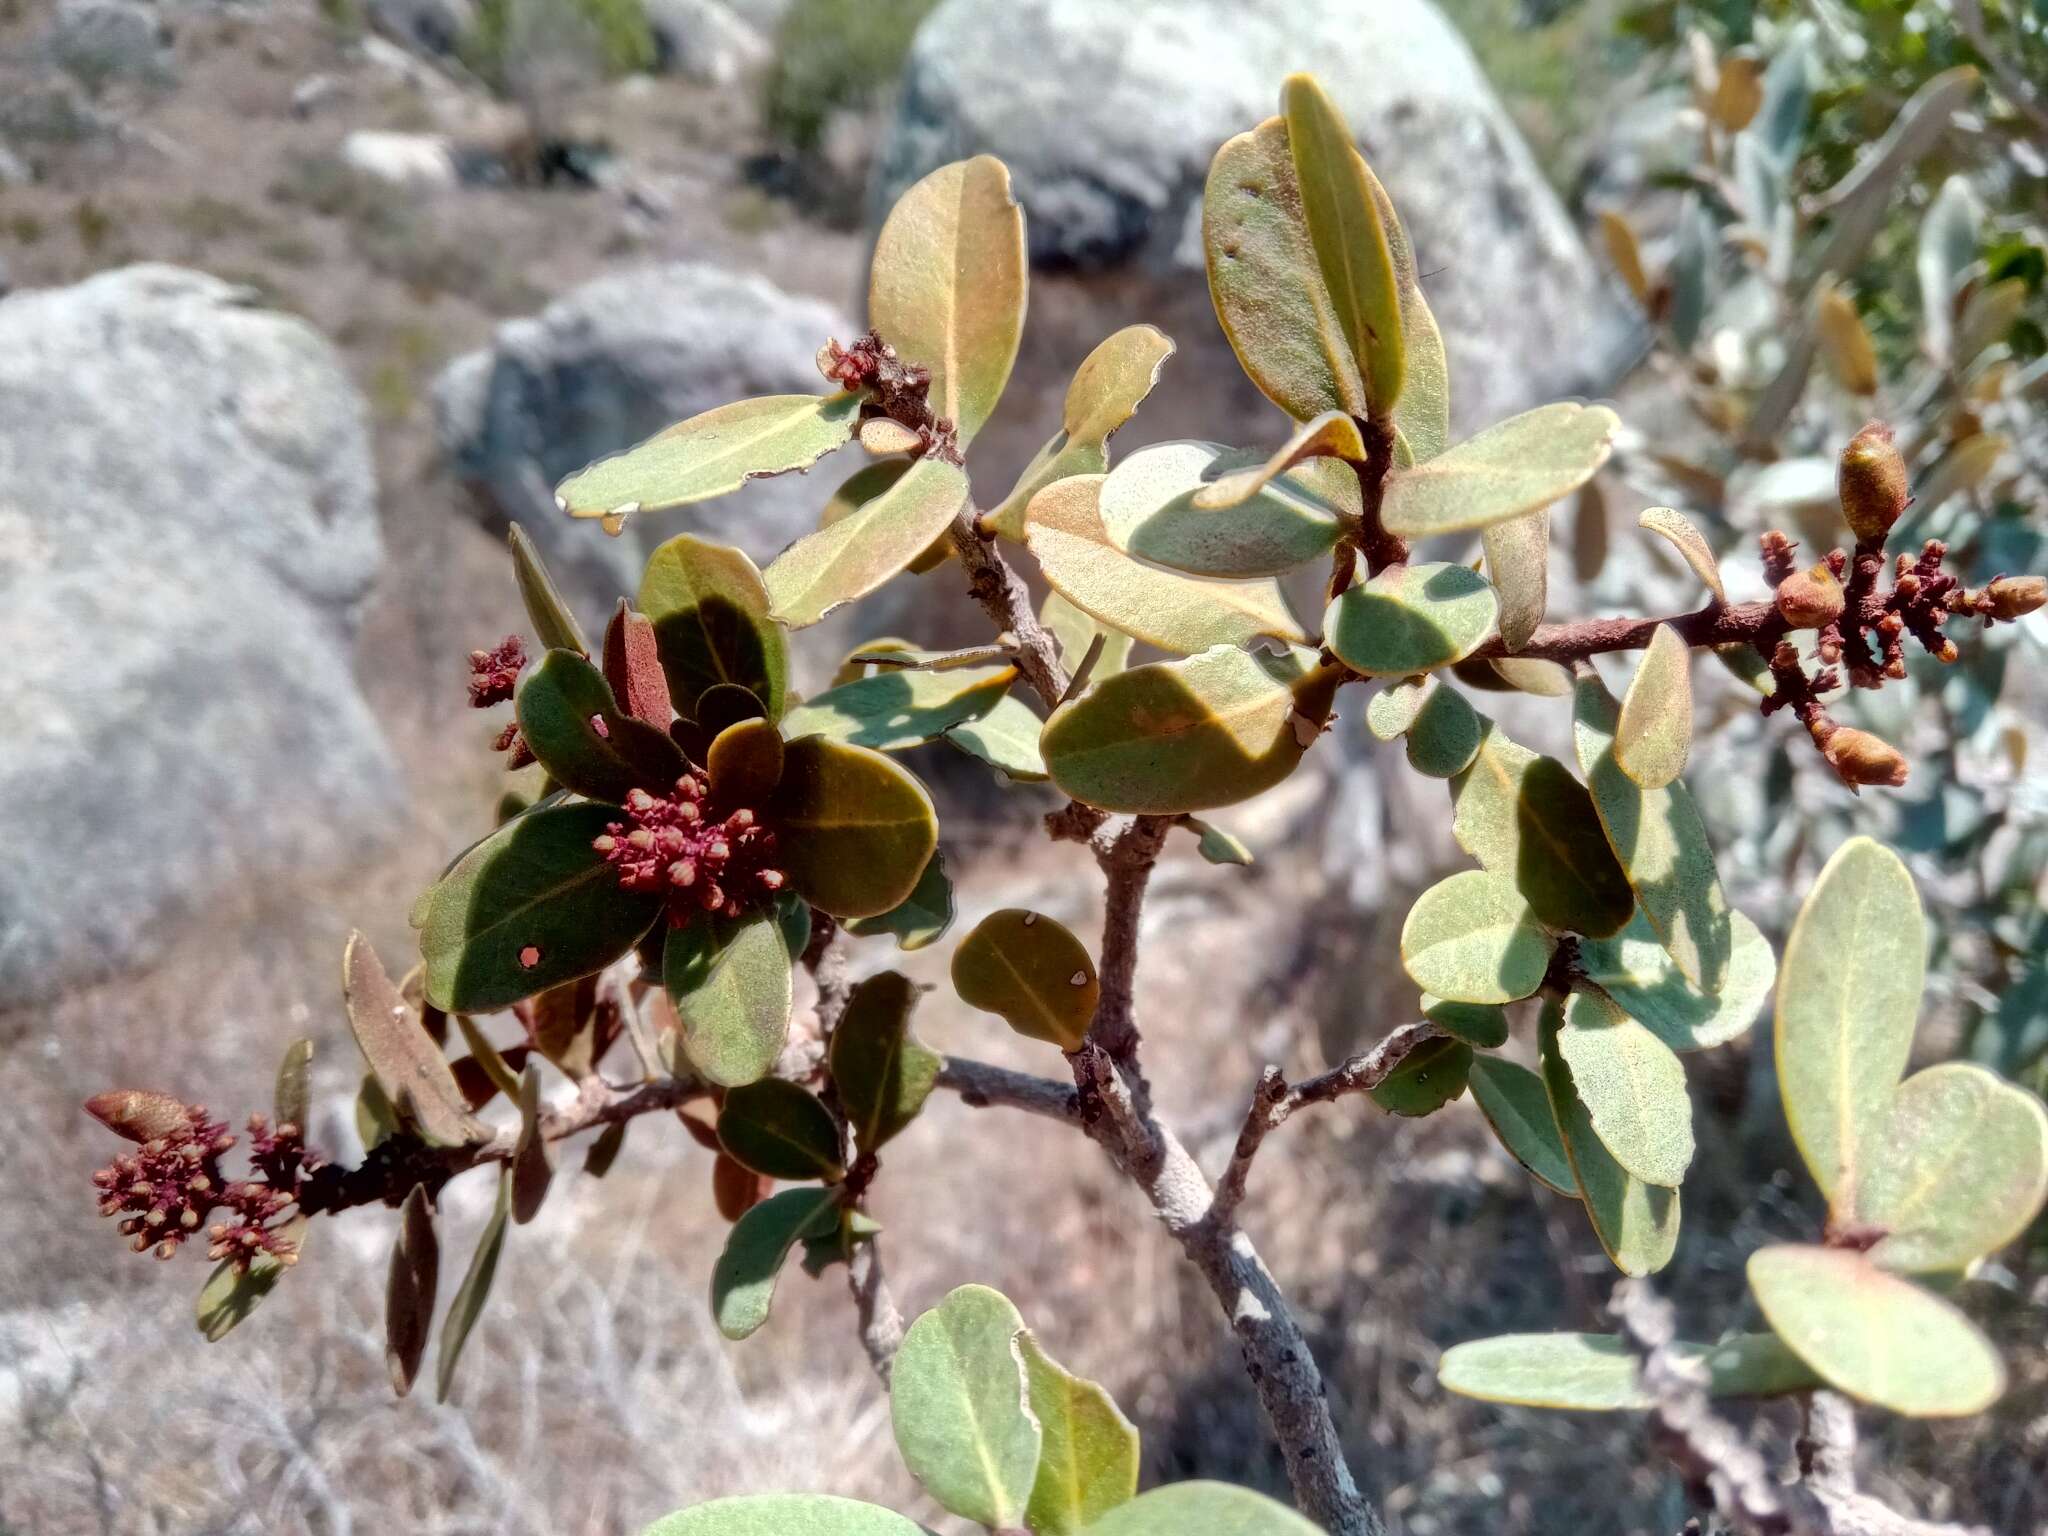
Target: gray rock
[(40, 107), (703, 41), (100, 41), (421, 161), (612, 363), (187, 527), (1110, 132)]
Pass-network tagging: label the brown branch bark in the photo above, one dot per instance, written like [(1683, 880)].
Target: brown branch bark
[(880, 1324), (1757, 623)]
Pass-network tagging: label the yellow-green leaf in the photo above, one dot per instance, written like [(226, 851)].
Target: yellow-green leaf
[(1075, 629), (1177, 613), (960, 1406), (1106, 392), (1692, 547), (711, 626), (1189, 735), (713, 454), (1660, 840), (1033, 972), (1844, 344), (1151, 508), (1088, 1463), (858, 553), (1960, 1170), (947, 286), (784, 1514), (1598, 1372), (1411, 618), (1347, 236), (743, 1279), (1006, 738), (554, 624), (854, 831), (1636, 1222), (1473, 939), (1633, 1088), (1266, 284), (1525, 817), (1653, 734), (1873, 1335), (1395, 707), (1507, 471), (1636, 970), (1422, 416), (729, 979), (1513, 1100), (1212, 1509), (895, 710), (1518, 564), (1850, 999), (862, 487), (1330, 435)]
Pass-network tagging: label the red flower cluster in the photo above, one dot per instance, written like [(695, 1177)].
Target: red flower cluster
[(168, 1185), (493, 674), (700, 859)]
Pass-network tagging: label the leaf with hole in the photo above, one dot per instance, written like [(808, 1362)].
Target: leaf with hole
[(1088, 1461), (474, 1290), (852, 557), (409, 1287), (896, 710), (947, 286), (1875, 1336), (1177, 613), (1151, 506), (1513, 1100), (531, 906), (1427, 1078), (921, 917), (1031, 971), (729, 979), (743, 1279), (1411, 618), (1634, 968), (1105, 393), (1473, 939), (1526, 818), (1660, 840), (713, 454), (1960, 1170), (1509, 470), (1349, 241), (401, 1055), (1189, 735), (1599, 1372), (960, 1404), (883, 1072), (1636, 1222), (854, 831), (709, 609), (1632, 1087), (586, 742), (782, 1130), (1853, 967)]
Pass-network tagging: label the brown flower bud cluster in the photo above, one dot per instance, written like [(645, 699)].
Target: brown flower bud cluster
[(165, 1189), (702, 859), (900, 391)]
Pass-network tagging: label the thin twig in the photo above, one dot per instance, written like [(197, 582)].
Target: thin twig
[(983, 1086), (881, 1325)]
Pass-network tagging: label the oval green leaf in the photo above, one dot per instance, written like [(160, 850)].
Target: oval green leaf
[(744, 762), (1482, 1024), (1006, 738), (1633, 1088), (1960, 1171), (1177, 613), (1213, 1509), (1598, 1372), (743, 1279), (1473, 939), (1411, 618), (1511, 469), (1395, 707), (882, 1071), (1513, 1100), (961, 1408), (1518, 565), (854, 831), (1151, 508), (1853, 968), (531, 906), (1189, 735), (854, 556), (896, 710), (709, 609), (729, 980), (1873, 1335), (782, 1130), (1636, 1222), (1661, 842), (587, 743), (783, 1514), (1088, 1463), (1653, 733), (1637, 971), (1033, 972), (947, 286), (713, 454), (1330, 435), (1428, 1077), (919, 918), (1445, 735)]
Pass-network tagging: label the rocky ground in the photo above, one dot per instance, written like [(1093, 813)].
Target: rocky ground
[(251, 525)]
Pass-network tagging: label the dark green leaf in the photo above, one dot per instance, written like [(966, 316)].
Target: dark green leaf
[(553, 624), (1033, 972), (1429, 1077), (710, 614), (475, 1289), (782, 1130), (585, 741), (743, 1280), (854, 831), (921, 917), (882, 1071)]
